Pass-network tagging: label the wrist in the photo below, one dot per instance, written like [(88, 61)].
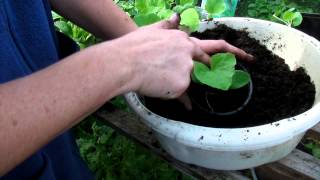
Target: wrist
[(119, 68)]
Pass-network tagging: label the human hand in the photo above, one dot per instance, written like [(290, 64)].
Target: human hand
[(161, 58), (215, 46)]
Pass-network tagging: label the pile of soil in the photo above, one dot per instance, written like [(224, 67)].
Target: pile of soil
[(278, 92)]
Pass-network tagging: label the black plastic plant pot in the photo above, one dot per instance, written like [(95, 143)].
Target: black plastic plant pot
[(218, 102), (311, 25)]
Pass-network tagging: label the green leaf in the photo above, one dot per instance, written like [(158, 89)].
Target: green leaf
[(180, 8), (184, 2), (142, 6), (142, 20), (215, 7), (316, 152), (297, 19), (149, 6), (292, 18), (191, 19), (239, 79), (221, 72), (56, 16), (309, 145), (165, 13), (287, 16), (158, 3), (63, 27)]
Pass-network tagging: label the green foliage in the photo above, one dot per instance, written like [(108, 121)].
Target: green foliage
[(314, 147), (221, 74), (268, 9), (120, 103), (215, 7), (150, 11), (142, 20), (112, 156), (190, 18), (184, 2), (127, 6), (80, 36), (289, 17)]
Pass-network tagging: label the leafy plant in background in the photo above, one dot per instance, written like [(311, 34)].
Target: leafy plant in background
[(112, 156), (151, 11), (289, 17), (221, 74), (313, 146), (82, 37), (278, 10)]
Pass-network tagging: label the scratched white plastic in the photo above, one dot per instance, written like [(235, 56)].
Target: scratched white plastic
[(241, 148)]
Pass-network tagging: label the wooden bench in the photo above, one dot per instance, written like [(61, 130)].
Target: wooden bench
[(297, 165)]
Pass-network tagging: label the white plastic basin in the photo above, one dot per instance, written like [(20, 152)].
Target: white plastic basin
[(241, 148)]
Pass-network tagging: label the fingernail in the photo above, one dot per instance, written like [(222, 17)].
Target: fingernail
[(175, 18), (250, 57)]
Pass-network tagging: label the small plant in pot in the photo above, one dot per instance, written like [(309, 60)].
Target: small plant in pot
[(224, 88), (283, 105), (224, 78)]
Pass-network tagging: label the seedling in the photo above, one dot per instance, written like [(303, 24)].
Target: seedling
[(221, 74), (290, 17)]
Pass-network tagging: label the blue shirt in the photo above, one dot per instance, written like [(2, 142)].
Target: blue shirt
[(28, 43)]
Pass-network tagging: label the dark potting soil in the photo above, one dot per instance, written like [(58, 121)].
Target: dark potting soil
[(277, 92)]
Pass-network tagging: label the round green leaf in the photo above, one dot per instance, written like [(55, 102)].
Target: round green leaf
[(297, 19), (215, 7), (240, 79), (190, 18), (183, 2), (220, 73)]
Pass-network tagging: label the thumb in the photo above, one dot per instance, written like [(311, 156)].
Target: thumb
[(172, 23)]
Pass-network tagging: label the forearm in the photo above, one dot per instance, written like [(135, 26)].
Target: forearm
[(37, 108), (100, 17)]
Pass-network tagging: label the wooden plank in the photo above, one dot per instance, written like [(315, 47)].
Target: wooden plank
[(130, 125), (297, 165)]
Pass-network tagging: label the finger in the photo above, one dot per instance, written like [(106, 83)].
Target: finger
[(200, 55), (172, 23), (185, 100), (214, 46)]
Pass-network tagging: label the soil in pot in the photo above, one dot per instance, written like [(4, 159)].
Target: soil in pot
[(277, 93)]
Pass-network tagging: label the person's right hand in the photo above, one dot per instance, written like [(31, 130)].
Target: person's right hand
[(161, 57)]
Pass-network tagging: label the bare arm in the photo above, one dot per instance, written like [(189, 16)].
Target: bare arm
[(37, 108), (100, 17)]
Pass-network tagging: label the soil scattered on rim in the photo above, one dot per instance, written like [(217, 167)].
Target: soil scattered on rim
[(278, 92)]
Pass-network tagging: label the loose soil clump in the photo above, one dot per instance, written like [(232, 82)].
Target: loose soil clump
[(277, 93)]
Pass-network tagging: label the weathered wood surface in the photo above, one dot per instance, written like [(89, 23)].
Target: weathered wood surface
[(297, 165), (130, 126)]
